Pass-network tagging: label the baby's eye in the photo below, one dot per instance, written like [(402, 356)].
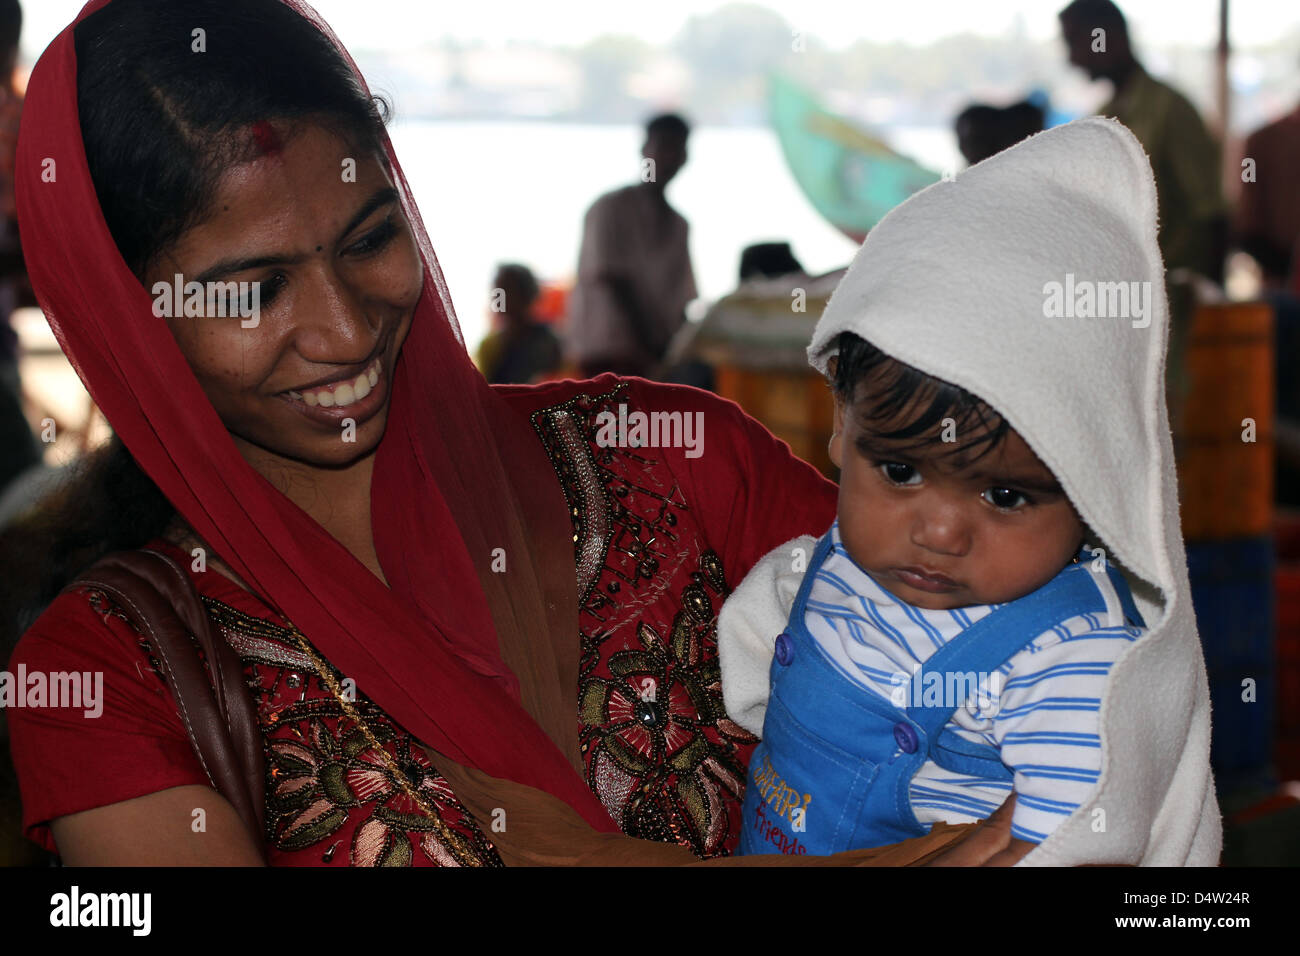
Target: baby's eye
[(1004, 498), (900, 474)]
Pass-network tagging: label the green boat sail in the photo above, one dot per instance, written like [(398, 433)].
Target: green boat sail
[(851, 177)]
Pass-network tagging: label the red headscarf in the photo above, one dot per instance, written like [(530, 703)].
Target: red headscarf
[(457, 475)]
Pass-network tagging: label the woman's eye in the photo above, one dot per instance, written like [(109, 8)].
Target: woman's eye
[(376, 238), (268, 290), (1005, 498), (900, 474)]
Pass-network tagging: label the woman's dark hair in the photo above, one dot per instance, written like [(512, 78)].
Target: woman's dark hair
[(909, 405), (167, 94), (107, 504)]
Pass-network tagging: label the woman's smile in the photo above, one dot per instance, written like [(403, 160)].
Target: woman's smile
[(358, 397)]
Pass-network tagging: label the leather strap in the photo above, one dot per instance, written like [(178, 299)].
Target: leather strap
[(160, 600)]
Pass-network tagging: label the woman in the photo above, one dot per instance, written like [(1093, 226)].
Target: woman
[(388, 543)]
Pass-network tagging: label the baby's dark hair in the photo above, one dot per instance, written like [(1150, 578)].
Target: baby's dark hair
[(912, 403)]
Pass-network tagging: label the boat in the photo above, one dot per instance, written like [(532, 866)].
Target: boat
[(852, 177)]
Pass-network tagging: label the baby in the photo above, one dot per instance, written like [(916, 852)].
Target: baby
[(958, 633), (952, 633)]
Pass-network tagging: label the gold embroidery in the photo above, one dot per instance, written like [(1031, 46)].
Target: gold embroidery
[(330, 761), (658, 747)]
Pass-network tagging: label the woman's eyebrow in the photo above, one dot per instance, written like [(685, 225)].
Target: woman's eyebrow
[(380, 199)]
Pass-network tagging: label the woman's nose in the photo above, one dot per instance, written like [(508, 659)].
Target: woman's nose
[(331, 321)]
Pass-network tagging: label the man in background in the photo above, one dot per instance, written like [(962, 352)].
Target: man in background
[(1185, 162), (1185, 157), (21, 450), (1268, 209), (634, 267)]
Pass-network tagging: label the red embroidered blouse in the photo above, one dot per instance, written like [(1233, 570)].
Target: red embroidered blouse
[(661, 535)]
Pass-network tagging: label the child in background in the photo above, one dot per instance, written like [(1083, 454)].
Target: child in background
[(967, 628), (520, 349)]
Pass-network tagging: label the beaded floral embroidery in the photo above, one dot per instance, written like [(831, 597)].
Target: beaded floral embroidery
[(658, 748), (327, 790), (322, 774)]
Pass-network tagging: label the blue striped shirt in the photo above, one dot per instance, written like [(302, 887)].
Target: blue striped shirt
[(1041, 709)]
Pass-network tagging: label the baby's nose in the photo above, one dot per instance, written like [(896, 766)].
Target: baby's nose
[(943, 532)]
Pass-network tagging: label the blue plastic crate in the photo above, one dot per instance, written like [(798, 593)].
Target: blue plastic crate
[(1233, 594)]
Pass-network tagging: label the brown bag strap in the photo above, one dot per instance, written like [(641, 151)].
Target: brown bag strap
[(159, 598)]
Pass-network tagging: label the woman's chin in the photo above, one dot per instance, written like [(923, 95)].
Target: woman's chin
[(346, 449), (351, 444)]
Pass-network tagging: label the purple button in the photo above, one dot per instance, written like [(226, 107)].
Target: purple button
[(784, 649), (906, 737)]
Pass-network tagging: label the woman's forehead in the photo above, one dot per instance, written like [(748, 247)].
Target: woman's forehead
[(303, 188)]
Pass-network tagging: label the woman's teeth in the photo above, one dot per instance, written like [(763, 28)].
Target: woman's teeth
[(341, 393)]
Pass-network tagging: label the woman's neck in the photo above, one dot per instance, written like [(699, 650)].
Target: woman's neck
[(338, 499)]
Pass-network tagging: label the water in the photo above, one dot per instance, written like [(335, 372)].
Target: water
[(517, 191)]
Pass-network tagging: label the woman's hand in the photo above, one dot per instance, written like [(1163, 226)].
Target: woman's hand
[(991, 843)]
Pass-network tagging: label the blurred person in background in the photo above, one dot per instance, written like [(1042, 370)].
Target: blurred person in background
[(768, 260), (20, 447), (1185, 159), (1267, 228), (1267, 224), (983, 130), (519, 349), (21, 450), (1184, 155), (634, 267)]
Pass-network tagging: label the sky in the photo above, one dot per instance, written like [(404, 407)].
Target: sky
[(398, 24)]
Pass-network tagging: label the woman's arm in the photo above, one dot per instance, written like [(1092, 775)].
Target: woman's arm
[(101, 759), (538, 829), (749, 492), (181, 826)]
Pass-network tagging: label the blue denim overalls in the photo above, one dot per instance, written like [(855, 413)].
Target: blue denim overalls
[(837, 776)]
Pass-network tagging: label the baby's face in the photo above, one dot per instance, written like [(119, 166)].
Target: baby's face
[(939, 536)]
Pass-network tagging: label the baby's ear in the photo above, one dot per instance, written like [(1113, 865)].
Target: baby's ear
[(1089, 536), (835, 447)]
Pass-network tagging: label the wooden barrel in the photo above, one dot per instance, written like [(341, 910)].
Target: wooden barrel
[(1225, 481), (794, 404)]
